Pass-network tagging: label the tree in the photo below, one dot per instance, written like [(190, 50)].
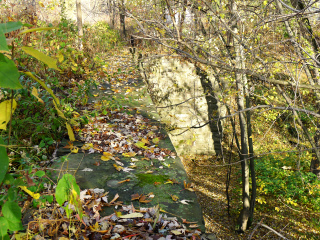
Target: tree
[(255, 51), (79, 23)]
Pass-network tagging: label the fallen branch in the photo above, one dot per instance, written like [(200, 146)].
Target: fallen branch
[(272, 230), (260, 224)]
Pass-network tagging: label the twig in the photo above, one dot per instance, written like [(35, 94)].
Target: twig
[(255, 229), (269, 107), (272, 230)]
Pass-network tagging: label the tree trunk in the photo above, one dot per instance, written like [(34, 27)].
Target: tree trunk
[(251, 156), (245, 213), (112, 13), (307, 33), (183, 16), (315, 163), (79, 23), (122, 19), (243, 219)]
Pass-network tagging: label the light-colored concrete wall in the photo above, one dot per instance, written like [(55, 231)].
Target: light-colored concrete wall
[(177, 91)]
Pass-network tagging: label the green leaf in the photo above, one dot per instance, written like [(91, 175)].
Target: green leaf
[(37, 29), (64, 187), (141, 145), (15, 226), (12, 194), (12, 212), (27, 25), (8, 179), (5, 237), (49, 198), (51, 62), (3, 41), (4, 226), (4, 163), (9, 74), (40, 173), (155, 140), (10, 26)]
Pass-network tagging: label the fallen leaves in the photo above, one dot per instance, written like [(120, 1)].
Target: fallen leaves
[(132, 215), (118, 168), (32, 194), (185, 201), (142, 198), (129, 154), (126, 180), (106, 156), (122, 133), (174, 197), (188, 186)]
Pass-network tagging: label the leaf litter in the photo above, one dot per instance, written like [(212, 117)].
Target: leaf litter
[(130, 135), (127, 222)]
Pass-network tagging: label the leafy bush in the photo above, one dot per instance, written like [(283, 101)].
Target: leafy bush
[(101, 38), (280, 177)]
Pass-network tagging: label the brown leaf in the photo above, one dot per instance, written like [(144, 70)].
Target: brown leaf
[(115, 198), (144, 200), (126, 180), (193, 226), (135, 196), (185, 221), (69, 145), (97, 163), (29, 180)]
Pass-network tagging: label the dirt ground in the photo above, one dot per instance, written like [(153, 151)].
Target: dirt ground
[(209, 178)]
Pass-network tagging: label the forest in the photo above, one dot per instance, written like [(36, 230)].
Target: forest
[(159, 119)]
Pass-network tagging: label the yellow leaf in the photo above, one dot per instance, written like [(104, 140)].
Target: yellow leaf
[(277, 209), (51, 62), (118, 214), (150, 133), (141, 145), (44, 86), (106, 156), (129, 154), (5, 110), (60, 57), (41, 4), (35, 93), (70, 133), (175, 232), (145, 141), (119, 168), (58, 110), (32, 194), (94, 227), (74, 149), (155, 140), (87, 146), (168, 182), (174, 197), (21, 236)]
